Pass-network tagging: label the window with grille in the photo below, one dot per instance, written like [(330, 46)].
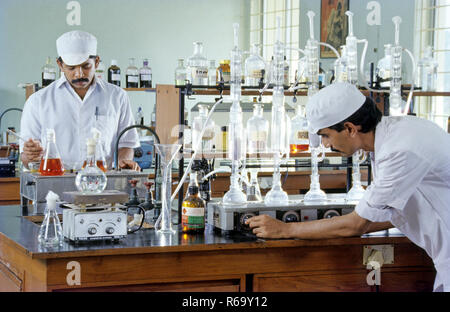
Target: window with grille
[(263, 24), (433, 29)]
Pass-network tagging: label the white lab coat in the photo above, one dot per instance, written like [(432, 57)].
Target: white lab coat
[(105, 106), (411, 187)]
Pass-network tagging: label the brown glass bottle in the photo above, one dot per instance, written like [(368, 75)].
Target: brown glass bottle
[(114, 73), (193, 212)]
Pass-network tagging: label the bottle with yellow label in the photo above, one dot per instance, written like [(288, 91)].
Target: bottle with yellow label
[(193, 208)]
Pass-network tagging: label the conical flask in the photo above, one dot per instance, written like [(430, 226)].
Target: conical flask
[(50, 232), (51, 164), (167, 153)]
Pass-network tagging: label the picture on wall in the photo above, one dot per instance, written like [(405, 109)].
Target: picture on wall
[(334, 25)]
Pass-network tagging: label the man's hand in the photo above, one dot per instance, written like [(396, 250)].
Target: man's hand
[(129, 164), (32, 151), (268, 227)]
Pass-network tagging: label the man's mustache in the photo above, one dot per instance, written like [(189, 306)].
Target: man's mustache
[(80, 80), (335, 150)]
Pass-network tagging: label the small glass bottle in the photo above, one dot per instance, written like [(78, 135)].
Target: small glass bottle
[(223, 72), (193, 208), (212, 73), (383, 70), (100, 71), (224, 138), (286, 79), (153, 117), (197, 66), (114, 73), (91, 179), (255, 68), (145, 75), (139, 116), (180, 73), (258, 131), (299, 139), (51, 164), (340, 66), (205, 143), (132, 75), (48, 72), (427, 71), (50, 232)]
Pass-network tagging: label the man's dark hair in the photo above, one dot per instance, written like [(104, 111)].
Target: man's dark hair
[(367, 116), (90, 56)]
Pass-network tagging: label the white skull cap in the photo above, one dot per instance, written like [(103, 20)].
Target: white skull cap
[(332, 105), (75, 47)]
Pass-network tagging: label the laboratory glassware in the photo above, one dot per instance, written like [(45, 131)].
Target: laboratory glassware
[(257, 131), (167, 153), (205, 142), (91, 179), (50, 231), (193, 208), (299, 139), (145, 75), (51, 164), (48, 72), (357, 191), (384, 66), (100, 71), (132, 75), (180, 73), (197, 66), (427, 71), (114, 73), (212, 78), (255, 68), (315, 194)]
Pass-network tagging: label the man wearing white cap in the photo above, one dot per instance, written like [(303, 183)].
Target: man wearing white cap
[(74, 104), (411, 176)]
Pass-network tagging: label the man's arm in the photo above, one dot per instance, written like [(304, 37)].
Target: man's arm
[(344, 226), (125, 159)]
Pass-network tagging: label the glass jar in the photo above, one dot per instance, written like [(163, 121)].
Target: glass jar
[(180, 73), (197, 66), (255, 68), (224, 71), (258, 131)]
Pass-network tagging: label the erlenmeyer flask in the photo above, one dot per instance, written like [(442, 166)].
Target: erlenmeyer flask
[(51, 164), (167, 154), (50, 232)]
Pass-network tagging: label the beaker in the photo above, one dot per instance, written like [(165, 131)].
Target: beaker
[(167, 153)]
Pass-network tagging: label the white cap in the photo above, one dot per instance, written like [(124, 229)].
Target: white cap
[(332, 105), (75, 47)]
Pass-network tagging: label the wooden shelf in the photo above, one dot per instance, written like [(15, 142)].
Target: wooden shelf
[(141, 89), (210, 155)]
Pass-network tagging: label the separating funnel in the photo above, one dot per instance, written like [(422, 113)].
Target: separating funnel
[(167, 153)]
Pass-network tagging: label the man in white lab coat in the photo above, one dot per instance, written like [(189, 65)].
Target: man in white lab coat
[(74, 104), (411, 168)]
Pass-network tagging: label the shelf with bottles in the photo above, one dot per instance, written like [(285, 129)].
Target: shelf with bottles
[(187, 154), (141, 89)]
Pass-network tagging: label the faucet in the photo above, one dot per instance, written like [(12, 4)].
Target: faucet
[(5, 111)]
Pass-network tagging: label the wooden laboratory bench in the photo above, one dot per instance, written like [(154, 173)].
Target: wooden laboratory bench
[(10, 190), (146, 261)]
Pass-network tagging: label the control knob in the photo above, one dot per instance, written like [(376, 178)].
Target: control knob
[(291, 216), (92, 230)]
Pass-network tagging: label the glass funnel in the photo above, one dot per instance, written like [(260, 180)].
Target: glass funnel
[(357, 191), (167, 153)]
